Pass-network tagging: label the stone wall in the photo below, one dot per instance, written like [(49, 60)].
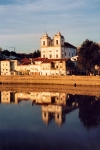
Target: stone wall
[(58, 80)]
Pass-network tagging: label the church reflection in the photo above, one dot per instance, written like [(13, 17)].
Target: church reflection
[(56, 105)]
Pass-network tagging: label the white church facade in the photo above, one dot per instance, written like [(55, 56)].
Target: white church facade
[(56, 48), (54, 60)]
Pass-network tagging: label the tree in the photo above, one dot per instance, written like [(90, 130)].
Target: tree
[(5, 52), (0, 50), (12, 53), (88, 56), (36, 54)]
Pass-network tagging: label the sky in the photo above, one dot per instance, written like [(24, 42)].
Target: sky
[(24, 22)]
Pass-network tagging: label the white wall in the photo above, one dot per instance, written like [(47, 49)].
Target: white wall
[(45, 49), (5, 67)]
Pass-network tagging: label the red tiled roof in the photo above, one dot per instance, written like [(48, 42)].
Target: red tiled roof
[(38, 59), (46, 60), (25, 60), (51, 60)]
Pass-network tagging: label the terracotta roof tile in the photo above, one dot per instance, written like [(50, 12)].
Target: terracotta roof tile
[(51, 60), (25, 60), (39, 59)]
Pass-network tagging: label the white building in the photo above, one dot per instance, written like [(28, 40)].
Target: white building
[(38, 67), (55, 54), (5, 67), (56, 48)]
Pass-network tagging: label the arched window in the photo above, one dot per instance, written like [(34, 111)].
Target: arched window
[(56, 42), (49, 43), (43, 56), (43, 42), (50, 56), (56, 55)]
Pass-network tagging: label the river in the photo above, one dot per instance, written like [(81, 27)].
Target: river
[(49, 121)]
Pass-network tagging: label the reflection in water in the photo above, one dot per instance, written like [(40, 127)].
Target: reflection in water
[(57, 105), (89, 111)]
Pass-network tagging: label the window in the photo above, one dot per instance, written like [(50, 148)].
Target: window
[(49, 43), (57, 42), (43, 42), (50, 56), (44, 114), (43, 56), (52, 65), (58, 116), (56, 55)]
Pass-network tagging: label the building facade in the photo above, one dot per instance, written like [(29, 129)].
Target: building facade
[(55, 57), (56, 48), (5, 67), (37, 66)]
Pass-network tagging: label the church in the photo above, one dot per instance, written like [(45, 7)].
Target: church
[(56, 48)]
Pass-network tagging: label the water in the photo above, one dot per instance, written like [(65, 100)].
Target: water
[(49, 121)]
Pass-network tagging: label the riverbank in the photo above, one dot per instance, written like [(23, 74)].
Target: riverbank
[(80, 90), (52, 80)]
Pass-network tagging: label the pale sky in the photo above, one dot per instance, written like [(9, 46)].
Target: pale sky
[(24, 22)]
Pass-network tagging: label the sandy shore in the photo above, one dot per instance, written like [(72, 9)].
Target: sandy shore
[(81, 90)]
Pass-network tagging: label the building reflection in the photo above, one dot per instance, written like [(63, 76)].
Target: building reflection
[(53, 111), (55, 106)]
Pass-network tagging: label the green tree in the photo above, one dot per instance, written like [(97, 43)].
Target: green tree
[(88, 56)]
